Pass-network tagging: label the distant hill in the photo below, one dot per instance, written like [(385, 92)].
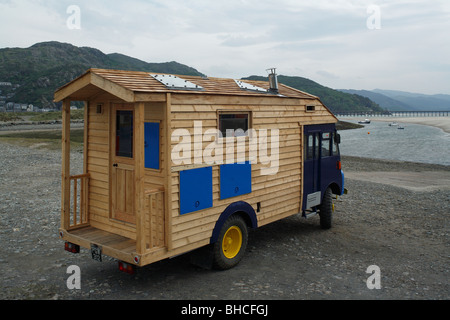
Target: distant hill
[(33, 74), (335, 100), (36, 72), (382, 100), (405, 101), (418, 101)]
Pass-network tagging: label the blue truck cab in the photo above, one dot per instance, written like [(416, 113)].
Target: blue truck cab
[(322, 175)]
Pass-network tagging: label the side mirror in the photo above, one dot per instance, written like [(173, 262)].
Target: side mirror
[(337, 138)]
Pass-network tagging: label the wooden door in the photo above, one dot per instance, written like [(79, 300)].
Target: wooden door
[(123, 163)]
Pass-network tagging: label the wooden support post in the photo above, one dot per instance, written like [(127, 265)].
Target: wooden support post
[(168, 169), (139, 137), (85, 182), (85, 136), (65, 184)]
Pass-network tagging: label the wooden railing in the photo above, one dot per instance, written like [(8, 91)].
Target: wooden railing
[(154, 220), (78, 201)]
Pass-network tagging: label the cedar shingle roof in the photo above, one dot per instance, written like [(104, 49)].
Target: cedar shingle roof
[(143, 82)]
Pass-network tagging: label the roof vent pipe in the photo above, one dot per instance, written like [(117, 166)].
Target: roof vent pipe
[(273, 80)]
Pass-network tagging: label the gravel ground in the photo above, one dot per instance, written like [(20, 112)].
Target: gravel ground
[(405, 233)]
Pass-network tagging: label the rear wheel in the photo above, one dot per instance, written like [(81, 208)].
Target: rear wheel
[(231, 244), (326, 210)]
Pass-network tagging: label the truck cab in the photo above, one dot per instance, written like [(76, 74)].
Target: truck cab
[(322, 173)]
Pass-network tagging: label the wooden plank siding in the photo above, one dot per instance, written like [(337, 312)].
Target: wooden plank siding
[(279, 194), (98, 164), (161, 231), (98, 167)]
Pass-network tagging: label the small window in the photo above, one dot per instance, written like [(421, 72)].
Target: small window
[(326, 141), (233, 124), (124, 133), (310, 108), (335, 146), (309, 147), (99, 109), (312, 146)]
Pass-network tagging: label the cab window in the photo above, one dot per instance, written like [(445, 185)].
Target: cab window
[(326, 144)]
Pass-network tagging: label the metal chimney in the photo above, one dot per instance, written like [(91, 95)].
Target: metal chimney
[(273, 80)]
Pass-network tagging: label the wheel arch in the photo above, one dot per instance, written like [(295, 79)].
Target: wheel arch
[(335, 188), (241, 208)]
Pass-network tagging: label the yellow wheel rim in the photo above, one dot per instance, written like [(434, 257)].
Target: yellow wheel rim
[(232, 242)]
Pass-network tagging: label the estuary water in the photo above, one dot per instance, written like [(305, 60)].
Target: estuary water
[(417, 143)]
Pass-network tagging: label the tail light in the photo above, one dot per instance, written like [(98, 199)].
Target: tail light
[(70, 247), (126, 267), (338, 165)]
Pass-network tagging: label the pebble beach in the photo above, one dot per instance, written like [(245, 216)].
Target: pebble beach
[(381, 222)]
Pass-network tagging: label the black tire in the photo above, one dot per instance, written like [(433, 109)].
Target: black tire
[(326, 210), (228, 251)]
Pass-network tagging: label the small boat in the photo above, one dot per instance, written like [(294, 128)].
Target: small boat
[(400, 127), (366, 121), (392, 124)]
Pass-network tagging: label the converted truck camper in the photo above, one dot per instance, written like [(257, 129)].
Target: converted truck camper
[(176, 163)]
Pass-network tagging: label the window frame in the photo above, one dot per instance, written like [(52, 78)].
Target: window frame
[(116, 150), (329, 140), (234, 112)]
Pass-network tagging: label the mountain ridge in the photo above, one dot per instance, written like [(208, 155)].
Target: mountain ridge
[(36, 72), (395, 100), (335, 100)]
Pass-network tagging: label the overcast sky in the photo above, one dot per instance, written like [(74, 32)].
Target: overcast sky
[(342, 44)]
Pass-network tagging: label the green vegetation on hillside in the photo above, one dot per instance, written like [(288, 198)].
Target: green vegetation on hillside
[(37, 72), (336, 101), (44, 67)]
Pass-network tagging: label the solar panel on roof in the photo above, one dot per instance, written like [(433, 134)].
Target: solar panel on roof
[(174, 82), (248, 86)]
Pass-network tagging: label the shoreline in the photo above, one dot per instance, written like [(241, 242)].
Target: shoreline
[(437, 122)]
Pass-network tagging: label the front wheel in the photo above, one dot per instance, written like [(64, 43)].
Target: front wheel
[(231, 244), (326, 210)]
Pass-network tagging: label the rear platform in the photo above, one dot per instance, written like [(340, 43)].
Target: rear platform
[(111, 244)]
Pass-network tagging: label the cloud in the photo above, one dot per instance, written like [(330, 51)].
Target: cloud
[(325, 40)]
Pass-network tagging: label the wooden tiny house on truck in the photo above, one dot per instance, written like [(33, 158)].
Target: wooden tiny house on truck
[(175, 163)]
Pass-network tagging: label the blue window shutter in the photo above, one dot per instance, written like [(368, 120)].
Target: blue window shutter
[(152, 145), (196, 190), (235, 179)]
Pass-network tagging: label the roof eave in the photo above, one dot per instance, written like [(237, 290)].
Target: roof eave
[(90, 77)]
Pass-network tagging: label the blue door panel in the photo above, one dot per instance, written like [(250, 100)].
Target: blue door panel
[(152, 145), (196, 190), (235, 179)]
